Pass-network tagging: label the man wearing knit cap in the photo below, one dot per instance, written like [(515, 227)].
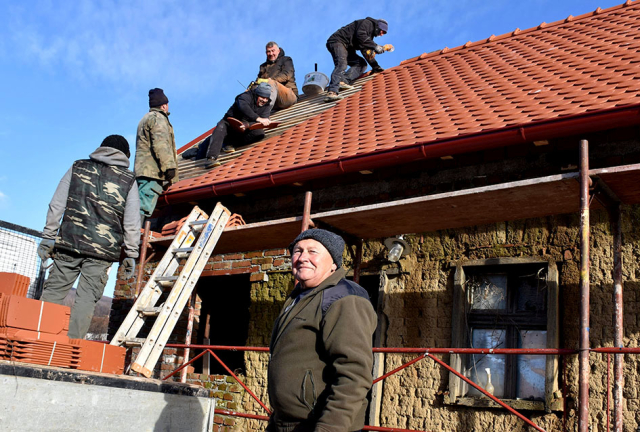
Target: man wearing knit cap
[(156, 164), (97, 200), (321, 353), (237, 128), (343, 45)]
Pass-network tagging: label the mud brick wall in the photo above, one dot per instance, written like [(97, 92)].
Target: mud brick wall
[(418, 308), (228, 393)]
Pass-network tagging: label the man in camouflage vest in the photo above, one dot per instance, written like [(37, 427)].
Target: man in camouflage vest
[(97, 200), (156, 158)]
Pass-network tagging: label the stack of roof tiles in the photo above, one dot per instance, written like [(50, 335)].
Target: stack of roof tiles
[(173, 227), (32, 331)]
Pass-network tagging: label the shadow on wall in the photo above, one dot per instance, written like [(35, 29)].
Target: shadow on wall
[(183, 413)]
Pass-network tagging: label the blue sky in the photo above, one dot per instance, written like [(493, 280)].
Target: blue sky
[(74, 72)]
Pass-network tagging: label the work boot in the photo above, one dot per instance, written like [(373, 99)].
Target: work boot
[(345, 86), (212, 163), (332, 97), (228, 149)]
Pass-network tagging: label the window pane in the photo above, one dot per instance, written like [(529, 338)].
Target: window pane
[(489, 291), (487, 338), (531, 368), (532, 293)]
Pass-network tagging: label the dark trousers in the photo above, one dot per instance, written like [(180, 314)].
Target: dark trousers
[(343, 57), (225, 134)]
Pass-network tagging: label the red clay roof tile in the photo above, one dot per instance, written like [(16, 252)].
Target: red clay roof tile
[(560, 70)]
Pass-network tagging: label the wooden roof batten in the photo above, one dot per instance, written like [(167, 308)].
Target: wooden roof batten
[(531, 198)]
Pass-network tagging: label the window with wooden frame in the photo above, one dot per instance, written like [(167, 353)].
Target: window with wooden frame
[(506, 303)]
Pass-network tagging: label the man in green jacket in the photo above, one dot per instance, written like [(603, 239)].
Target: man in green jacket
[(321, 353), (156, 158)]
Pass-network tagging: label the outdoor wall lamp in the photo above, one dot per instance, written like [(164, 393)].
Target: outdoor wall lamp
[(398, 248)]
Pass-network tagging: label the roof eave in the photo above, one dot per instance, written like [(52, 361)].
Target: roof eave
[(584, 123)]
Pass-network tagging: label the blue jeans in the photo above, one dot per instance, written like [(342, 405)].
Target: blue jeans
[(343, 57)]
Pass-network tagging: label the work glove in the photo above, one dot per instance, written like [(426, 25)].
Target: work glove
[(128, 267), (45, 249), (379, 49), (169, 174)]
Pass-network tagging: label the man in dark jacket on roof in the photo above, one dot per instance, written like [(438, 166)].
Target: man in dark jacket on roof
[(321, 356), (279, 72), (97, 200), (249, 108), (343, 45)]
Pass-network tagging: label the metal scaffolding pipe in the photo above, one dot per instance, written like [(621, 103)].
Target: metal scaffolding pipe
[(583, 356), (618, 337), (306, 214), (486, 393), (143, 256), (187, 339)]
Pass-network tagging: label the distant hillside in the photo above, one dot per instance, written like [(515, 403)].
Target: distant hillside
[(100, 321)]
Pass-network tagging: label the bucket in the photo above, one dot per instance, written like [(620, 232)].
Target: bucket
[(314, 83)]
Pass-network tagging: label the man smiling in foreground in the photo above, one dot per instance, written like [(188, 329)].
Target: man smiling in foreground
[(321, 356)]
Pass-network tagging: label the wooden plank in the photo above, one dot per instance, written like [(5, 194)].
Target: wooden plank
[(624, 181), (490, 204), (459, 334), (379, 340), (552, 366), (532, 198)]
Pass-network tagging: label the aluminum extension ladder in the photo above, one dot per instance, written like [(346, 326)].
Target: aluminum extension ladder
[(167, 314)]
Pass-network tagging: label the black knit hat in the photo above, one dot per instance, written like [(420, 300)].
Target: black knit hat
[(118, 142), (157, 98), (383, 25), (333, 242)]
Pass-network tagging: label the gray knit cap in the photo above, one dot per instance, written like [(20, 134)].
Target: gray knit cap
[(263, 89), (333, 242)]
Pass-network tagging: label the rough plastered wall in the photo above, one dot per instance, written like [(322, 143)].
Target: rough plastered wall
[(418, 308)]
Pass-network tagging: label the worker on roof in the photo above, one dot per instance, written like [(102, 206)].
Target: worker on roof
[(97, 200), (321, 353), (343, 45), (156, 164), (251, 109), (278, 71)]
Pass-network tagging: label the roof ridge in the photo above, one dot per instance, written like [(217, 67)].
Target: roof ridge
[(518, 32)]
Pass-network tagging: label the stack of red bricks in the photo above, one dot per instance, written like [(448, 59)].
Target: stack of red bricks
[(32, 331)]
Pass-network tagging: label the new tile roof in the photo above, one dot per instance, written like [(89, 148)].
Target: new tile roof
[(565, 70)]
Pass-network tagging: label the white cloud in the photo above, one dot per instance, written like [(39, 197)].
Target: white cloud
[(194, 44)]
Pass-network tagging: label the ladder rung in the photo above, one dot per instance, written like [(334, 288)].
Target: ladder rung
[(166, 280), (182, 250), (199, 224), (150, 311), (134, 341)]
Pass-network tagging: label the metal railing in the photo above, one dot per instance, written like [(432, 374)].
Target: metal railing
[(424, 353)]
